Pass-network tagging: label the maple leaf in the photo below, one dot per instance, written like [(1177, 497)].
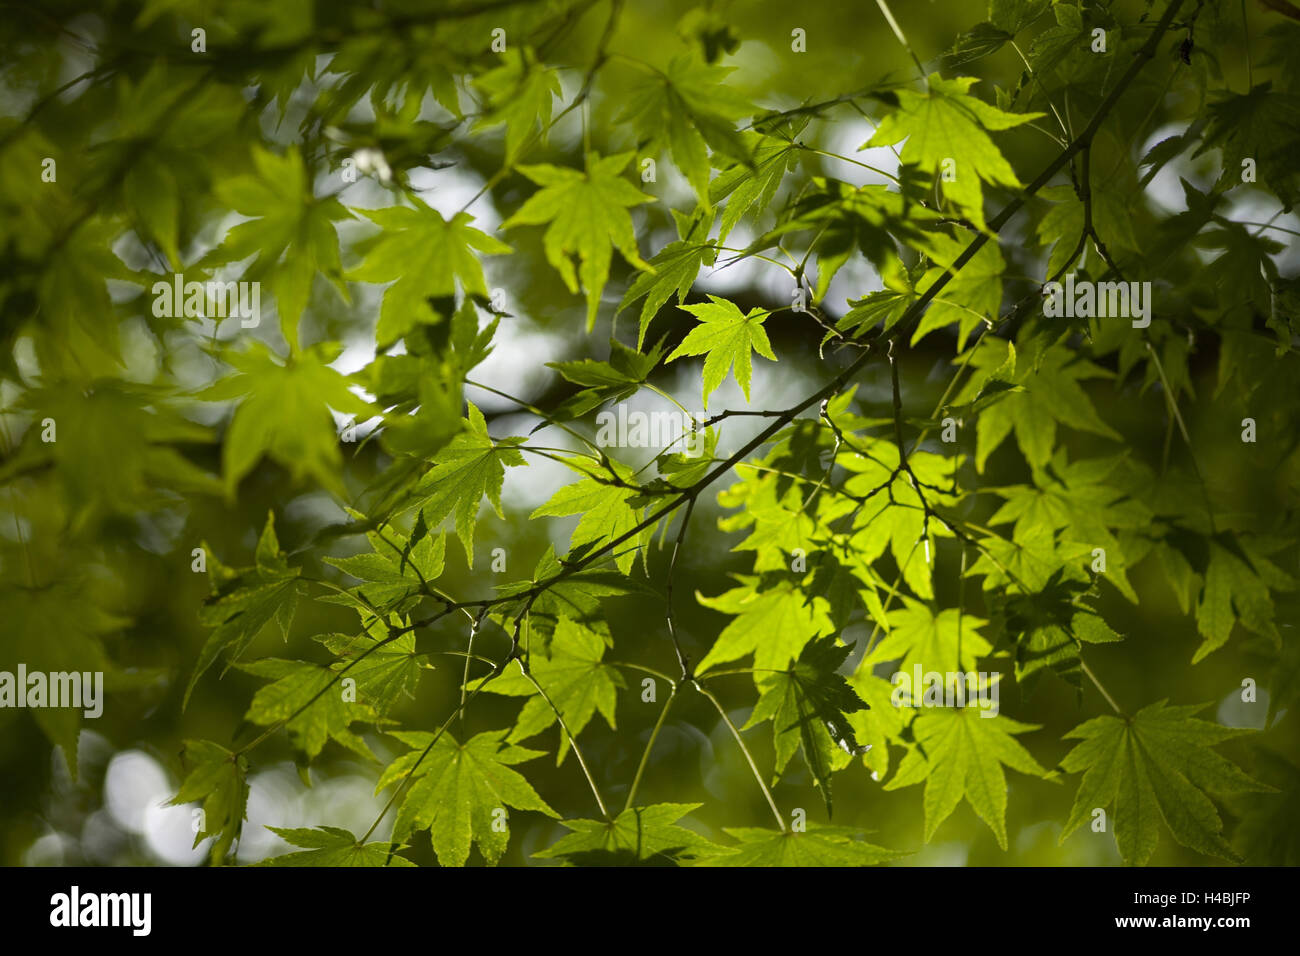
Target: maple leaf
[(460, 792), (609, 509), (947, 123), (918, 636), (773, 623), (426, 254), (726, 337), (576, 679), (396, 572), (584, 213), (1156, 765), (219, 779), (284, 413), (959, 752), (748, 187), (1078, 498), (242, 603), (386, 668), (1231, 585), (817, 846), (637, 836), (471, 466), (892, 515), (689, 108), (808, 705), (1051, 395), (972, 296), (675, 267), (332, 846), (308, 699), (1260, 126), (291, 233), (881, 723), (520, 94), (578, 597)]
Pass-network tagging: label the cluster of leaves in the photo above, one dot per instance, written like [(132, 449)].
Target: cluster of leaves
[(851, 513)]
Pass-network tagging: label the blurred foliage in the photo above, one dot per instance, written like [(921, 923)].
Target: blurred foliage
[(313, 331)]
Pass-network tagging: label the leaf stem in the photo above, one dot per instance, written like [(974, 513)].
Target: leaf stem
[(767, 794), (645, 755)]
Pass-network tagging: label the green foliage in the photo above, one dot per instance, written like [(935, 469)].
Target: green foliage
[(1156, 766), (929, 473)]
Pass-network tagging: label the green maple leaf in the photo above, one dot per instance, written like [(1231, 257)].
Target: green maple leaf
[(58, 627), (608, 510), (310, 700), (471, 466), (396, 572), (920, 636), (748, 187), (1051, 394), (1062, 224), (638, 836), (577, 597), (1079, 499), (117, 451), (332, 846), (881, 723), (972, 296), (521, 95), (726, 337), (808, 706), (284, 413), (891, 515), (460, 788), (1046, 628), (1030, 561), (585, 214), (689, 107), (385, 668), (1156, 765), (1259, 125), (1232, 591), (218, 778), (426, 255), (772, 623), (625, 371), (960, 753), (947, 123), (292, 232), (817, 846), (576, 679), (242, 603), (675, 267)]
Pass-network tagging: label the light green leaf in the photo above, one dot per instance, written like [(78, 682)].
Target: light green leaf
[(726, 337), (637, 836), (332, 846), (959, 753), (947, 123), (459, 791), (585, 213)]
